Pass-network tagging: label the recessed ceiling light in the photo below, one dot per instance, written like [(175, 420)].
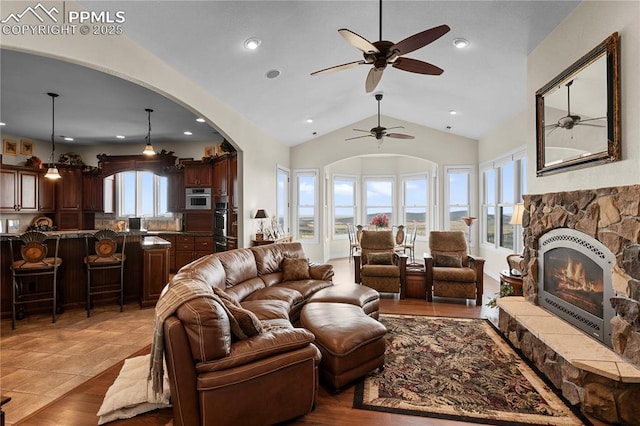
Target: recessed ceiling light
[(448, 127), (200, 120), (119, 137), (452, 112), (3, 124), (272, 74), (309, 120), (461, 43), (188, 133), (252, 43), (67, 138)]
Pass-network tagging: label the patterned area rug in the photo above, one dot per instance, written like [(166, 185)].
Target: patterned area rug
[(459, 369)]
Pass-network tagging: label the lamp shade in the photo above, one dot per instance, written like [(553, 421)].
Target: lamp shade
[(261, 214), (518, 212)]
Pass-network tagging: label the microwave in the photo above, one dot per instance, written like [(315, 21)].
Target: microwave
[(198, 199)]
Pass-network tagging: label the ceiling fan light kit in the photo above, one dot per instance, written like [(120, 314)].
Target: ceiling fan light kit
[(382, 53), (380, 132)]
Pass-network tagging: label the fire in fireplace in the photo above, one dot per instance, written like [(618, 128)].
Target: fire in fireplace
[(575, 284)]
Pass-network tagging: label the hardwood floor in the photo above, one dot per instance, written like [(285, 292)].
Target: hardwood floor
[(79, 406)]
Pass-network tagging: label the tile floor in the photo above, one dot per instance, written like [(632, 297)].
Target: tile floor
[(40, 361)]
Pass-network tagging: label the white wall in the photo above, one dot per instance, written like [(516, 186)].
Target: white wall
[(117, 55), (441, 148), (587, 26)]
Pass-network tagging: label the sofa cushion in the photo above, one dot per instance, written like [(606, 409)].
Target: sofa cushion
[(380, 271), (380, 258), (207, 326), (245, 288), (267, 344), (269, 257), (244, 323), (268, 309), (454, 274), (295, 269), (289, 295), (239, 265), (207, 269), (305, 287), (447, 260)]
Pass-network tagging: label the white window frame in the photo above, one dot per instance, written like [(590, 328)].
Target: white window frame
[(365, 206), (316, 204), (285, 201), (448, 170), (404, 206), (138, 191), (354, 180)]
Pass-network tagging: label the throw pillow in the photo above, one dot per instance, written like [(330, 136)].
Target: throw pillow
[(244, 323), (447, 260), (380, 258), (295, 269)]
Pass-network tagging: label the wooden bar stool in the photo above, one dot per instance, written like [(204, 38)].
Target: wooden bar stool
[(33, 263), (103, 255)]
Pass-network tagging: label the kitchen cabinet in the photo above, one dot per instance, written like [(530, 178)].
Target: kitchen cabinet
[(188, 249), (175, 191), (92, 192), (18, 190), (233, 182), (197, 174), (198, 222), (69, 214), (46, 194), (155, 266), (220, 177)]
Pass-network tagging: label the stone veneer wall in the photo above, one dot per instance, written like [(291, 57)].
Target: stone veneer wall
[(610, 215)]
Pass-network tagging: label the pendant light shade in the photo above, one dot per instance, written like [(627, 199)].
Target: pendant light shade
[(52, 171), (148, 149)]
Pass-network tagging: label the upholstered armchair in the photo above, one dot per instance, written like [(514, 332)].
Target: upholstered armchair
[(378, 266), (450, 271)]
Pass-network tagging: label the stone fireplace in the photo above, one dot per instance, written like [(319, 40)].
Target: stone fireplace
[(582, 247)]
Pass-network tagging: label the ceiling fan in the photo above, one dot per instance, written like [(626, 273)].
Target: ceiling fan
[(382, 53), (380, 132), (569, 121)]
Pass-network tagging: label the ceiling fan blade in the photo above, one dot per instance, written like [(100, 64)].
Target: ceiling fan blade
[(395, 127), (555, 126), (590, 125), (399, 136), (359, 137), (416, 66), (419, 40), (339, 67), (592, 119), (358, 41), (373, 78), (360, 130)]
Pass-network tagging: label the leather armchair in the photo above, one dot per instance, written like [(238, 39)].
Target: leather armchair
[(378, 266), (450, 270)]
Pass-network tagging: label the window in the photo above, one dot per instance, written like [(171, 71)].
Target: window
[(415, 203), (142, 193), (282, 198), (307, 217), (378, 198), (344, 204), (504, 182), (457, 193)]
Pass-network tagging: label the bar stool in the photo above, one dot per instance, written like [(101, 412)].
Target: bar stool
[(33, 262), (103, 255)]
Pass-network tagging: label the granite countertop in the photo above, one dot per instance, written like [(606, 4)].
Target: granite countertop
[(151, 241), (81, 233)]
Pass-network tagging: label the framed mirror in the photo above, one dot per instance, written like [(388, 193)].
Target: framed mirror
[(578, 113)]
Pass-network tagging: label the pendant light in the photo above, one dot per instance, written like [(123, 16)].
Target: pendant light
[(52, 171), (148, 150)]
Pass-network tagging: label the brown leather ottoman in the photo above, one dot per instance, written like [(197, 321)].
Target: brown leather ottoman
[(354, 294), (352, 343)]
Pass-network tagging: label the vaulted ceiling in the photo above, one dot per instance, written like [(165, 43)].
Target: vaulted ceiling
[(484, 83)]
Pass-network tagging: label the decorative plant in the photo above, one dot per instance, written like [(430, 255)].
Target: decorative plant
[(380, 220), (506, 289)]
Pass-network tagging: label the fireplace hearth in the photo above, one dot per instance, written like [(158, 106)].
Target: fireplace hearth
[(575, 281)]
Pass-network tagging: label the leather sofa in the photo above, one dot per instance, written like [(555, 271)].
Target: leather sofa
[(217, 378)]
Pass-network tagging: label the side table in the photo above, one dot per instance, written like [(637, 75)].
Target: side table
[(514, 280), (416, 283)]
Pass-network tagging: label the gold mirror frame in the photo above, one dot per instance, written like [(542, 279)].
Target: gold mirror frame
[(609, 51)]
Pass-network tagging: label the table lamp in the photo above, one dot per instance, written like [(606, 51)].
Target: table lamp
[(262, 215), (468, 220)]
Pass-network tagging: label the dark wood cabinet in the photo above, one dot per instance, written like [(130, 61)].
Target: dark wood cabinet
[(175, 188), (233, 181), (92, 192), (220, 177), (198, 222), (18, 190), (69, 215), (197, 174), (188, 249), (46, 194), (155, 264)]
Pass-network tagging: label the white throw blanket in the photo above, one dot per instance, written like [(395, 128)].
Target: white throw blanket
[(131, 393)]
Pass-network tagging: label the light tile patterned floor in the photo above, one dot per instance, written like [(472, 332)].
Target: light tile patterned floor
[(39, 361)]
